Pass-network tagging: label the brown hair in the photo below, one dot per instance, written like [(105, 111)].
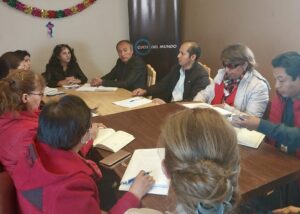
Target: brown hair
[(201, 158), (239, 54), (14, 86)]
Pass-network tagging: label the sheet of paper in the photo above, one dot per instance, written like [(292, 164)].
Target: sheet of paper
[(148, 160), (87, 87), (133, 102), (205, 105), (52, 91)]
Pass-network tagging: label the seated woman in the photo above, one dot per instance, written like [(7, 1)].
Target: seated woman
[(20, 97), (238, 87), (68, 183), (9, 61), (202, 161), (63, 68), (24, 56)]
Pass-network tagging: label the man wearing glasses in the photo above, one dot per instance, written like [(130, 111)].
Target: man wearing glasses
[(238, 87)]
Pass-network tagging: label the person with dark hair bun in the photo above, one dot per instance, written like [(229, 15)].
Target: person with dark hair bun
[(54, 178), (63, 68), (21, 93), (24, 56), (9, 61)]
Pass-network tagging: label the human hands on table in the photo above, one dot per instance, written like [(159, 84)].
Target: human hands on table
[(287, 210), (139, 92), (96, 81), (246, 121)]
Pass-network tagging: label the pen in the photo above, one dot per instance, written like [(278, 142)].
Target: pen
[(138, 98), (129, 181)]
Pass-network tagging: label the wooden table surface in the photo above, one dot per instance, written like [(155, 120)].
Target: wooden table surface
[(262, 169), (102, 101)]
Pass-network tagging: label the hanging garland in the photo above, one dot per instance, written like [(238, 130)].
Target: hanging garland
[(49, 14)]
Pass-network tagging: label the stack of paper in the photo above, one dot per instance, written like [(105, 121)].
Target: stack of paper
[(52, 91), (133, 102), (88, 87), (72, 86), (148, 160)]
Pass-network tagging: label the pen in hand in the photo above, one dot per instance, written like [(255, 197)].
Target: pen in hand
[(130, 181)]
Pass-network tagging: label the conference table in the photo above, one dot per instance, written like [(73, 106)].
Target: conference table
[(262, 169), (101, 102)]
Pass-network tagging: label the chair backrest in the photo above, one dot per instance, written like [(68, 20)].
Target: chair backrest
[(208, 69), (151, 79), (8, 199)]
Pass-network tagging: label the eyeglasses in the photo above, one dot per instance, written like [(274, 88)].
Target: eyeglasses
[(38, 94), (230, 65)]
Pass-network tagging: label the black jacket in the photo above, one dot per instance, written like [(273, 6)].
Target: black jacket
[(130, 76), (196, 79)]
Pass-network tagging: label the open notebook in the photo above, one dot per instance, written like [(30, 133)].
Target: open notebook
[(148, 160), (111, 140)]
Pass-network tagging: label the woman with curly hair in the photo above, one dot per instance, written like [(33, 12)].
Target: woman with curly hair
[(63, 68)]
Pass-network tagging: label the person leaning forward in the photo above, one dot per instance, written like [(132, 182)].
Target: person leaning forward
[(184, 80), (130, 71)]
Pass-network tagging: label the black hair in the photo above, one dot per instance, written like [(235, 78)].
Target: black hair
[(21, 54), (290, 61), (54, 61), (63, 123)]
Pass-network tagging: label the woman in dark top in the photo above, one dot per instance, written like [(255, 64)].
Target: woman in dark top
[(63, 68)]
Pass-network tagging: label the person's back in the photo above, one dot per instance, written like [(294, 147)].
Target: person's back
[(23, 91), (54, 178)]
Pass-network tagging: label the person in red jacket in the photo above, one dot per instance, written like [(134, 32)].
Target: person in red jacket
[(54, 178), (20, 97)]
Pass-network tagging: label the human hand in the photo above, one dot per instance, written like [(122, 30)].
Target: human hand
[(96, 81), (70, 80), (158, 101), (94, 129), (139, 92), (222, 105), (287, 210), (142, 184), (246, 121)]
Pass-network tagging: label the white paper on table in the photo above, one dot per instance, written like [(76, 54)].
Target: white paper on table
[(73, 86), (133, 102), (205, 105), (148, 160), (52, 91), (88, 87)]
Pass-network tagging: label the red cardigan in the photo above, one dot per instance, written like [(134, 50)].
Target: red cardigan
[(57, 181)]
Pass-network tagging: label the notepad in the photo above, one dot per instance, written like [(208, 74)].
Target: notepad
[(87, 87), (249, 138), (205, 105), (133, 102), (72, 86), (111, 140), (148, 160)]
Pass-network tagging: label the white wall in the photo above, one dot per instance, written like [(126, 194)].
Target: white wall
[(93, 33)]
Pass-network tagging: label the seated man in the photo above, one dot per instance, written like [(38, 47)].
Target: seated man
[(130, 71), (237, 87), (284, 124), (184, 80)]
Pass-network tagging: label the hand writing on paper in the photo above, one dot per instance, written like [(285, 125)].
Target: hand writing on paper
[(142, 184), (247, 121)]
